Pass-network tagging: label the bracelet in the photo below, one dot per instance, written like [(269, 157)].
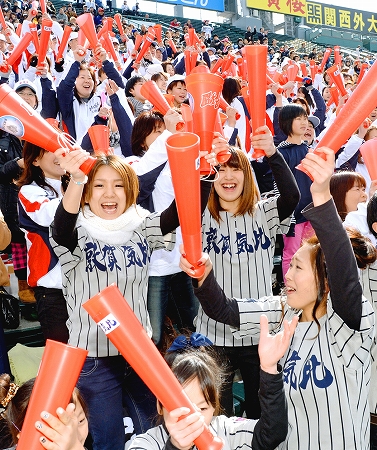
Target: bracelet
[(85, 180)]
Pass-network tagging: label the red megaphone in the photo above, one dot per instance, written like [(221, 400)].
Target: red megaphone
[(204, 90), (256, 57), (150, 91), (118, 21), (304, 69), (337, 79), (364, 68), (172, 46), (57, 376), (334, 96), (34, 33), (21, 120), (337, 56), (99, 136), (158, 31), (292, 71), (145, 47), (224, 105), (2, 20), (86, 24), (42, 4), (217, 65), (66, 34), (326, 56), (187, 118), (45, 37), (21, 47), (351, 116), (114, 316), (313, 69), (368, 151)]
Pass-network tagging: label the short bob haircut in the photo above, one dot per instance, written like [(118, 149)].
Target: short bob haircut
[(340, 183), (249, 195), (126, 172), (231, 89), (145, 124), (131, 84), (288, 114)]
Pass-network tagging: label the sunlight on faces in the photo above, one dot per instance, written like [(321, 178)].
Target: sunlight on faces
[(84, 83), (108, 197), (179, 91), (28, 96), (299, 125), (229, 187), (195, 394), (300, 282), (49, 165), (355, 196)]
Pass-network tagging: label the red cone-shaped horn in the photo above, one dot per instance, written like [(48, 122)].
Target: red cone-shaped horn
[(326, 56), (369, 153), (118, 21), (183, 155), (172, 46), (147, 43), (99, 136), (313, 69), (34, 33), (351, 116), (58, 374), (42, 4), (114, 316), (21, 47), (304, 69), (292, 71), (337, 56), (104, 29), (150, 91), (187, 117), (86, 24), (19, 28), (158, 31), (334, 96), (204, 89), (2, 20), (21, 120), (45, 37), (63, 44), (364, 68), (337, 79), (256, 56), (224, 105)]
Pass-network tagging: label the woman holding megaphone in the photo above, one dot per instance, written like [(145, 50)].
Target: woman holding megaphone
[(101, 237)]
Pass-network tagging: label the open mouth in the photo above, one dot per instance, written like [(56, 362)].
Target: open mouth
[(289, 290), (229, 186), (109, 207)]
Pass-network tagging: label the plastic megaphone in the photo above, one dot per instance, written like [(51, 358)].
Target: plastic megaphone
[(158, 31), (351, 116), (45, 37), (187, 118), (99, 136), (364, 68), (21, 47), (204, 90), (42, 4), (2, 20), (86, 24), (337, 79), (145, 47), (57, 376), (63, 44), (150, 91), (256, 57), (326, 56), (172, 46), (34, 33), (368, 151), (113, 315), (224, 105), (337, 56), (21, 120)]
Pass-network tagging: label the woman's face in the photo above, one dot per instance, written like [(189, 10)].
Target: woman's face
[(135, 91), (229, 187), (154, 135), (84, 83), (108, 198), (180, 93), (326, 94), (300, 283), (195, 394), (355, 196), (299, 126), (28, 96), (162, 83), (170, 69), (49, 165)]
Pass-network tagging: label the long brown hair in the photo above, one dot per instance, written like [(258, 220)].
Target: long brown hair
[(340, 183), (249, 195)]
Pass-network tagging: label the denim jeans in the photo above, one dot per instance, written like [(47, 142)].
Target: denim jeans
[(105, 387), (52, 313), (173, 292), (246, 359)]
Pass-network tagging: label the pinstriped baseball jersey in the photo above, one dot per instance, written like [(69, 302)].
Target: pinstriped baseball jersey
[(94, 265), (241, 250), (326, 376)]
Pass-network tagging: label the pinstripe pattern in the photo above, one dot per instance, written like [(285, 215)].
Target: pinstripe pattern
[(94, 265), (242, 267), (236, 433), (326, 376)]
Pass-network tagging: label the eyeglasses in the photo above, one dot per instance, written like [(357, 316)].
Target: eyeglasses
[(26, 94)]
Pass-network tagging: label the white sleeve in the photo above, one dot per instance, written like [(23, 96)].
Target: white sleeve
[(155, 156), (350, 149)]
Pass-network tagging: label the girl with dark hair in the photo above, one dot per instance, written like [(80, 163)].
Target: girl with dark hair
[(293, 122), (327, 365), (201, 376), (78, 103)]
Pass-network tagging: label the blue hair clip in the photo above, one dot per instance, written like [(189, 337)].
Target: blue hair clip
[(182, 342)]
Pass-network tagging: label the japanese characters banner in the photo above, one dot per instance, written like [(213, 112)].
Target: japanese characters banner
[(292, 7), (339, 17), (215, 5)]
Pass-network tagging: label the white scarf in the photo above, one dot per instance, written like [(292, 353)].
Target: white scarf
[(115, 231)]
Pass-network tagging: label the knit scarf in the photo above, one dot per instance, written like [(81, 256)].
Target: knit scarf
[(115, 231)]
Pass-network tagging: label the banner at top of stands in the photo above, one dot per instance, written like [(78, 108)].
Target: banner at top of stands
[(215, 5), (321, 14)]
